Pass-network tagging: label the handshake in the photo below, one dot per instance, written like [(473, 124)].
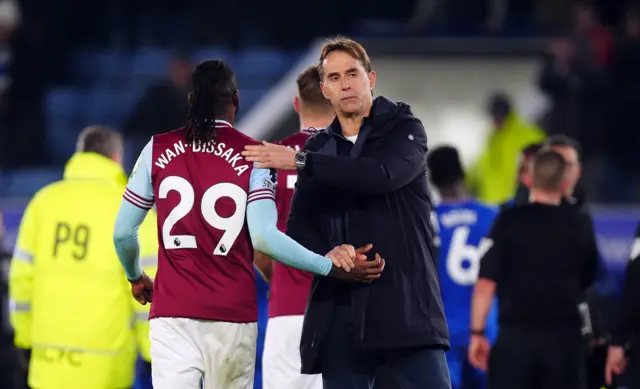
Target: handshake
[(351, 264)]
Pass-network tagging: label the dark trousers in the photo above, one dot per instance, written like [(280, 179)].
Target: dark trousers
[(532, 359), (346, 367), (632, 373)]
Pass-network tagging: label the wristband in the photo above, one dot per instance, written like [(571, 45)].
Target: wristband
[(478, 332)]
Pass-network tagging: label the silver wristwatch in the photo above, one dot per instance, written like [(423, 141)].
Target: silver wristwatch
[(301, 160)]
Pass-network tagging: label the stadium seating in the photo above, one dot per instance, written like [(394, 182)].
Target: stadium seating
[(26, 182), (106, 85), (64, 110)]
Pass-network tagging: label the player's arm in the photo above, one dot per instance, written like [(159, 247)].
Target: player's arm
[(21, 276), (136, 202), (264, 264), (491, 252), (148, 238), (401, 161), (262, 219)]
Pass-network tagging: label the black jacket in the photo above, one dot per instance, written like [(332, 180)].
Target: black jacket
[(627, 326), (378, 194)]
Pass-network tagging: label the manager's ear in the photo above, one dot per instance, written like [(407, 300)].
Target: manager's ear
[(372, 80), (564, 187), (296, 104), (236, 98), (190, 99), (324, 93)]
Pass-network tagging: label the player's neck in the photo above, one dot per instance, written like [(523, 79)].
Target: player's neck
[(316, 122), (545, 197), (351, 124), (228, 116), (454, 194)]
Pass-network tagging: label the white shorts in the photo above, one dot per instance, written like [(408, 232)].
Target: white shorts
[(184, 352), (281, 357)]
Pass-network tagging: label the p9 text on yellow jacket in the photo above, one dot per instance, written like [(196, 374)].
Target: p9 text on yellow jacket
[(71, 303)]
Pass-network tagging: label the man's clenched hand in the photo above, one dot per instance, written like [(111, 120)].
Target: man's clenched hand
[(142, 289), (344, 256), (363, 270)]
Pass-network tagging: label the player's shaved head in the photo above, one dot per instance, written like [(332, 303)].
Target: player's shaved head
[(444, 167), (101, 140), (310, 93), (549, 169)]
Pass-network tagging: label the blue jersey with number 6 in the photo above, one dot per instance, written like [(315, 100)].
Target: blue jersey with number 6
[(461, 228)]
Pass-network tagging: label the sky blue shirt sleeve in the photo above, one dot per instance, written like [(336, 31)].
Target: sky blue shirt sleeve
[(139, 190), (125, 238), (262, 219), (136, 202)]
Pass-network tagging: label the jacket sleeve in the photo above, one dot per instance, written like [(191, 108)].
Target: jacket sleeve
[(399, 163), (21, 276), (628, 317), (148, 236), (302, 222)]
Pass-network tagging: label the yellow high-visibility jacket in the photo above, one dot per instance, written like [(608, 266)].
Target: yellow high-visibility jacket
[(71, 303), (494, 176)]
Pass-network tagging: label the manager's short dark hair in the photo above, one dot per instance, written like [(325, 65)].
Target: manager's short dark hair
[(548, 170), (346, 45), (100, 139), (445, 167), (560, 140)]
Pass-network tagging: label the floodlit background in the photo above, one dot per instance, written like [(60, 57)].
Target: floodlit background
[(565, 68)]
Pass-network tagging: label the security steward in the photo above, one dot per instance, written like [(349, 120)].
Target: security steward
[(540, 257), (624, 350), (71, 304)]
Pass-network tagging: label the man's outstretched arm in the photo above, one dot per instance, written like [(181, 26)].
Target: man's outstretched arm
[(262, 220), (136, 202), (399, 163)]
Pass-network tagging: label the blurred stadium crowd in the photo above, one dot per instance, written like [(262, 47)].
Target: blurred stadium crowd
[(68, 64)]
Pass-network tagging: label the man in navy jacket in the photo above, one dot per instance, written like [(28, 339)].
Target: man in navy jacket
[(363, 180)]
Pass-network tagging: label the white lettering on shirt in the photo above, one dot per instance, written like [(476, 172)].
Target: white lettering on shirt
[(218, 149)]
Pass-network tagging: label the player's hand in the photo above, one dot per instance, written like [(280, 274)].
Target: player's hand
[(344, 256), (269, 155), (479, 349), (142, 289), (363, 271), (616, 363)]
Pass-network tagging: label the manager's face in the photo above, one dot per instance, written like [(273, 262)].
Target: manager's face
[(346, 83)]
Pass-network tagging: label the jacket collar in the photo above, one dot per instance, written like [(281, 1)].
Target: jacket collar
[(522, 197), (311, 130), (382, 110), (93, 166)]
